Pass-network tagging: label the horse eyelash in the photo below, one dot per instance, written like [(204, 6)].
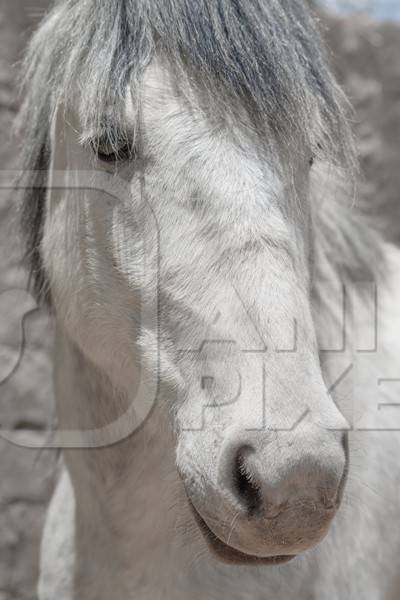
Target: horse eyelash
[(117, 151)]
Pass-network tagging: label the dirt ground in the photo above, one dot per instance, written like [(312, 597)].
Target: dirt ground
[(366, 57)]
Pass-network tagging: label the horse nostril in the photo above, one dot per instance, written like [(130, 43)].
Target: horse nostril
[(245, 482), (264, 480), (345, 442)]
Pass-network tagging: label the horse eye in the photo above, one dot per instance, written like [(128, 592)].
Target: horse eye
[(107, 152), (311, 161)]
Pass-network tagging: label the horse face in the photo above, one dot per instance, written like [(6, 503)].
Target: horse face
[(259, 447)]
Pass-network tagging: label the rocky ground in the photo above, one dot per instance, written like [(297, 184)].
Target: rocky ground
[(25, 392), (366, 57)]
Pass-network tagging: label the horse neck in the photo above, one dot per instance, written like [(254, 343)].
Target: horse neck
[(118, 488)]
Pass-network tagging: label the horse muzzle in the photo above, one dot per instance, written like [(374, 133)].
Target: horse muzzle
[(272, 503)]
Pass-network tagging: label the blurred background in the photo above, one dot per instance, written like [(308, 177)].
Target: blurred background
[(363, 37)]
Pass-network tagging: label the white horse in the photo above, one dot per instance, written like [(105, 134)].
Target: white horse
[(227, 326)]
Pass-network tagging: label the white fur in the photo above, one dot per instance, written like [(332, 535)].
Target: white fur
[(234, 250)]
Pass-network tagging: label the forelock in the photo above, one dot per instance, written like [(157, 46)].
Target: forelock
[(264, 55)]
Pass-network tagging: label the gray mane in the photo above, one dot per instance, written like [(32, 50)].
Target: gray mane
[(264, 55)]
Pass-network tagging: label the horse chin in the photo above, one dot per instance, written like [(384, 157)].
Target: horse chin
[(231, 556)]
